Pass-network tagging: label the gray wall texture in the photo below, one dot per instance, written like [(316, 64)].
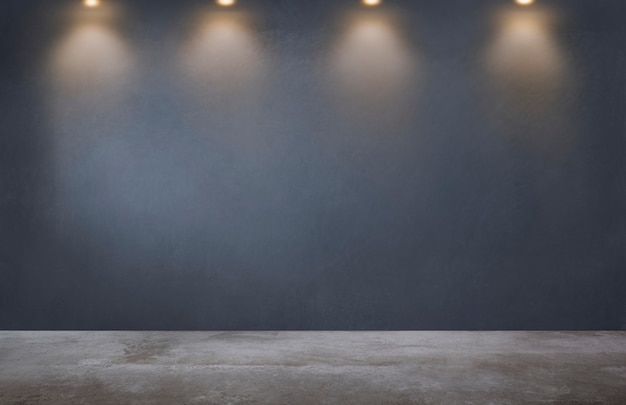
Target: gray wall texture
[(284, 164)]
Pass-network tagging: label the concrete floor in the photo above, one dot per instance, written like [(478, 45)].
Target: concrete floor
[(312, 368)]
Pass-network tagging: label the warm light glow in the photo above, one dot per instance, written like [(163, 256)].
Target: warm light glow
[(530, 80), (224, 56), (524, 2), (372, 3), (91, 57), (90, 78), (525, 51), (92, 3), (373, 71), (226, 3)]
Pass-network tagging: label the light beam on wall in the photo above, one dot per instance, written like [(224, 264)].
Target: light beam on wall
[(226, 3), (90, 56), (90, 75), (525, 50), (372, 3), (531, 78), (223, 55), (372, 69), (91, 3)]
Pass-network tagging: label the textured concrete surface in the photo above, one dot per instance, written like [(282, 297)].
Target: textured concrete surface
[(312, 368)]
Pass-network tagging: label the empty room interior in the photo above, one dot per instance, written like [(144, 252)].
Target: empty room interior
[(368, 202)]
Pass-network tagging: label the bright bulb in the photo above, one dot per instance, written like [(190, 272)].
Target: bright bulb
[(372, 3), (226, 3), (524, 2), (92, 3)]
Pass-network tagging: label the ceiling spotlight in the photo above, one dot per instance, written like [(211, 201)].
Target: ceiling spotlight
[(524, 2), (91, 3), (372, 3), (226, 3)]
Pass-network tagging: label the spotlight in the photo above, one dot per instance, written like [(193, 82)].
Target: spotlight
[(372, 3), (91, 3), (226, 3), (524, 2)]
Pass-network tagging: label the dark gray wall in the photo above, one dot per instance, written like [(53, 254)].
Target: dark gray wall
[(313, 165)]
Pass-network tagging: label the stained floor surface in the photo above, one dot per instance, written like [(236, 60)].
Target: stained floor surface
[(312, 368)]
